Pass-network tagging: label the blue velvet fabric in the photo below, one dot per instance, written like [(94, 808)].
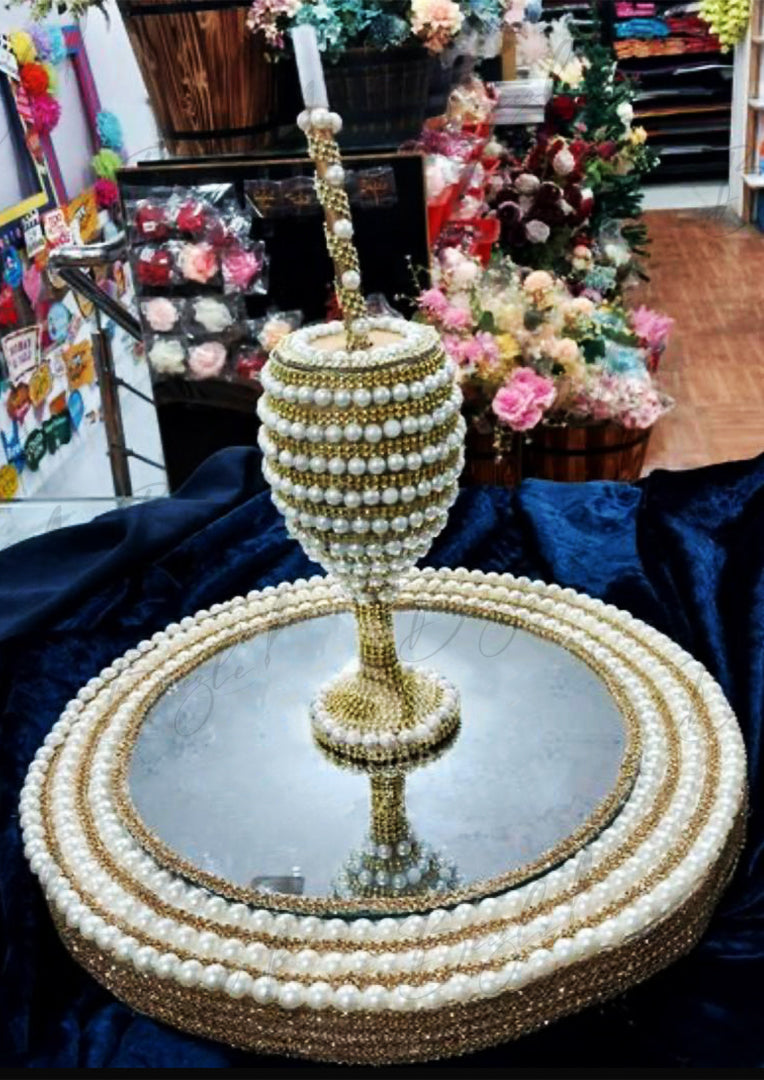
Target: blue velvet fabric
[(681, 550)]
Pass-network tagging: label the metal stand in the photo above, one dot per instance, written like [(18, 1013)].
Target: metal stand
[(70, 262)]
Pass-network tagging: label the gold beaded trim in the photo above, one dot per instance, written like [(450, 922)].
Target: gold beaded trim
[(389, 1037), (290, 367), (324, 151)]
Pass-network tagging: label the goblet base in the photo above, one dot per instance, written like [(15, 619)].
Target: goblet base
[(368, 723)]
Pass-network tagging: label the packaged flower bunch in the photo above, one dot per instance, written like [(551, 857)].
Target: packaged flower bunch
[(528, 351), (378, 24), (194, 262)]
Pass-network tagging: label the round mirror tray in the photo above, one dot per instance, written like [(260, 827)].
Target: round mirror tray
[(214, 867)]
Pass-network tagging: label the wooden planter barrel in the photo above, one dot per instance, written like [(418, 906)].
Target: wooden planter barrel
[(483, 465), (209, 82), (381, 95), (569, 453), (604, 451)]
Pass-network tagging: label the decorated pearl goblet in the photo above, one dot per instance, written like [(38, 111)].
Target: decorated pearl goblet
[(362, 439)]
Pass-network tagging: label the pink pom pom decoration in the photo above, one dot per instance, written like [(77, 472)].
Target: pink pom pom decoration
[(46, 112), (106, 193)]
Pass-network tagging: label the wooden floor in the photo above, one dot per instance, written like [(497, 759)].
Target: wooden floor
[(707, 271)]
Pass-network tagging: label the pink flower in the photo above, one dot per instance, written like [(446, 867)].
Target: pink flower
[(240, 267), (207, 359), (433, 302), (455, 318), (651, 326), (197, 262), (522, 401), (161, 314)]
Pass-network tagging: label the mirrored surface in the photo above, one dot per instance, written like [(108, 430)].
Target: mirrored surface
[(226, 774)]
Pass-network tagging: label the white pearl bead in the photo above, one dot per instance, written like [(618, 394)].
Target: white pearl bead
[(318, 995), (238, 984), (351, 279), (264, 990), (335, 122), (335, 175), (291, 995), (343, 230)]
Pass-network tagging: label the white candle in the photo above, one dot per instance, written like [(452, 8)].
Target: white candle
[(309, 67)]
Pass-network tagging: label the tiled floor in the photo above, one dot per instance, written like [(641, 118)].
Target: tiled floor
[(707, 271)]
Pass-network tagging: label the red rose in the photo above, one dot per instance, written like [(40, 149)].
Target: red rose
[(151, 221), (250, 364), (564, 107), (192, 217), (607, 149), (155, 267), (34, 79)]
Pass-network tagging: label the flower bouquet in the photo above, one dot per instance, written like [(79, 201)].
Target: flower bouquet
[(530, 354)]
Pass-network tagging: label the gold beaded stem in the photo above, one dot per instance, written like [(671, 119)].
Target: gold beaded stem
[(388, 808), (324, 151)]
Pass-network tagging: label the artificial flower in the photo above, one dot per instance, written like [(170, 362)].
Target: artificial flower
[(433, 301), (625, 113), (151, 221), (522, 401), (167, 356), (537, 231), (274, 330), (637, 136), (198, 262), (652, 327), (563, 162), (207, 360), (155, 267), (527, 183), (212, 314), (436, 22), (240, 267), (538, 282), (161, 314), (192, 217)]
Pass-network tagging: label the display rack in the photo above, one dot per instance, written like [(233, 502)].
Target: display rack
[(684, 96)]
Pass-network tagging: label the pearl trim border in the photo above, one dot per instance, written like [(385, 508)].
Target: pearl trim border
[(708, 793)]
